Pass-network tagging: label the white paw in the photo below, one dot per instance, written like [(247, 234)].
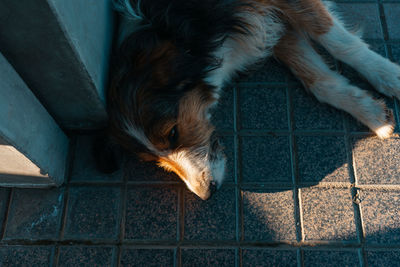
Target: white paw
[(385, 131), (386, 78)]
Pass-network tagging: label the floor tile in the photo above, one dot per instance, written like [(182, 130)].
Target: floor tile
[(376, 161), (332, 258), (147, 257), (151, 213), (263, 107), (310, 114), (266, 159), (84, 167), (322, 159), (364, 16), (328, 214), (392, 11), (380, 211), (222, 114), (25, 256), (93, 213), (269, 257), (387, 257), (140, 171), (85, 256), (212, 219), (208, 257), (35, 214), (268, 215), (268, 71)]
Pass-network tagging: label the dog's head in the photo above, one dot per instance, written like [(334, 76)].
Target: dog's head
[(159, 107)]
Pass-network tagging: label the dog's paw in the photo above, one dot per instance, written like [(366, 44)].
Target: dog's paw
[(387, 78), (387, 128)]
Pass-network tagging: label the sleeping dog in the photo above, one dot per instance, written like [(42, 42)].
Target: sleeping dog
[(174, 56)]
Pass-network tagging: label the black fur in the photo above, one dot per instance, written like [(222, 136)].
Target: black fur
[(169, 53)]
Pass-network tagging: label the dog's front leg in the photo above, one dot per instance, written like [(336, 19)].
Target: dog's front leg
[(330, 87)]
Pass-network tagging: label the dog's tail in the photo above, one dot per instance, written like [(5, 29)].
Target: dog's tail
[(128, 9)]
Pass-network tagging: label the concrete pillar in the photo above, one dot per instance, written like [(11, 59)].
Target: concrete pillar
[(61, 49), (33, 149)]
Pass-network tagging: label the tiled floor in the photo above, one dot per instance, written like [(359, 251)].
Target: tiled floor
[(306, 186)]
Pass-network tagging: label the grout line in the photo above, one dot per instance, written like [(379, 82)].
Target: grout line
[(294, 166), (7, 212), (56, 256), (362, 257), (70, 164), (354, 190), (238, 173), (210, 244), (238, 260), (382, 20), (300, 257), (118, 255), (64, 213), (181, 215), (122, 213), (178, 262), (300, 217)]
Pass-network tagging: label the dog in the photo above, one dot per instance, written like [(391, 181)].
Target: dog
[(174, 56)]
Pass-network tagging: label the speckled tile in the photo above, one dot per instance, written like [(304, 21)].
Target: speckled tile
[(392, 11), (328, 214), (35, 214), (363, 16), (4, 195), (322, 159), (263, 107), (147, 258), (268, 215), (140, 171), (332, 258), (395, 52), (310, 114), (268, 71), (85, 256), (212, 219), (380, 211), (33, 256), (84, 167), (376, 161), (151, 213), (266, 159), (229, 150), (387, 257), (222, 114), (269, 257), (208, 257), (93, 213)]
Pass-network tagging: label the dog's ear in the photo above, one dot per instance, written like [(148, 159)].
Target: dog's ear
[(108, 156)]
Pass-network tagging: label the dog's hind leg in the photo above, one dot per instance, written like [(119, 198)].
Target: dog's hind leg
[(328, 86), (321, 25)]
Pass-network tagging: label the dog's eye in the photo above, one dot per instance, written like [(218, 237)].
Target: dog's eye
[(173, 136)]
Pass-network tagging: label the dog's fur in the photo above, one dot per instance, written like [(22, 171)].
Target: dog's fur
[(175, 55)]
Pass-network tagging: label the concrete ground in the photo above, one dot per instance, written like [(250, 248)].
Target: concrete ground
[(307, 186)]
